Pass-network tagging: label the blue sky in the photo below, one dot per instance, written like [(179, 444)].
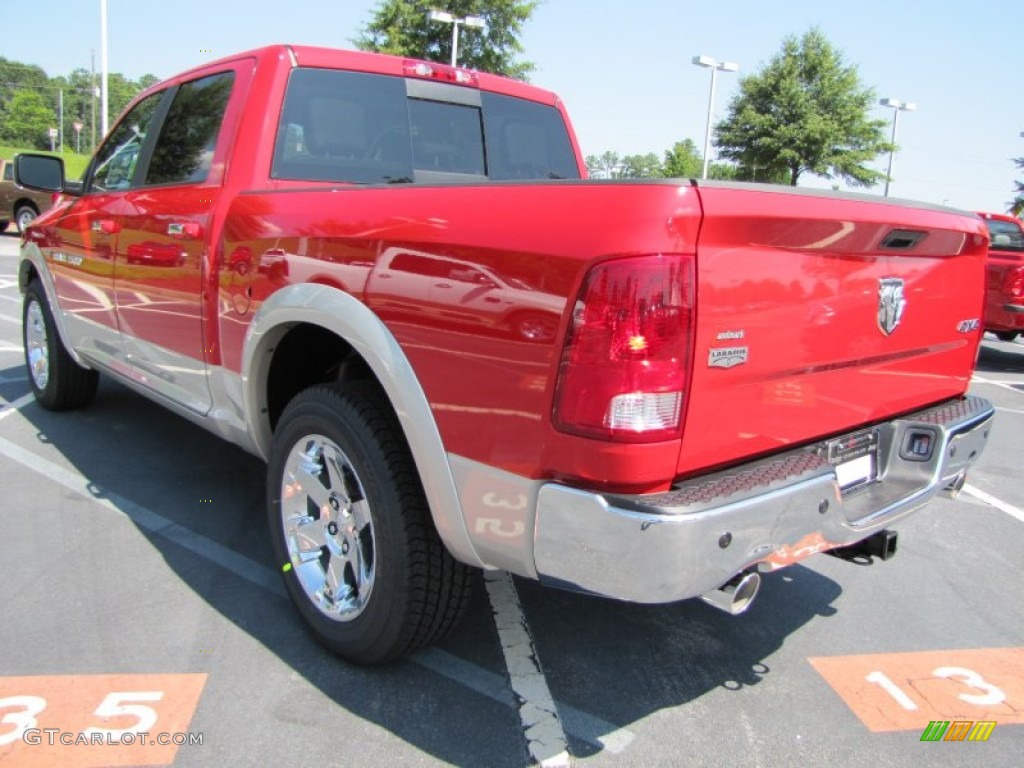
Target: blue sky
[(624, 69)]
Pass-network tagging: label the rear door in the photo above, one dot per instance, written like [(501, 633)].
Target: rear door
[(163, 256)]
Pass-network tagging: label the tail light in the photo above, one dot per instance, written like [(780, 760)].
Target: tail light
[(1013, 286), (625, 364), (443, 72)]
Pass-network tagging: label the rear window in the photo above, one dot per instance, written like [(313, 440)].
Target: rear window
[(1006, 235), (364, 128), (526, 140)]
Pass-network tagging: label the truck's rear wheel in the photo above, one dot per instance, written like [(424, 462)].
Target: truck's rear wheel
[(352, 532), (1006, 335), (57, 381)]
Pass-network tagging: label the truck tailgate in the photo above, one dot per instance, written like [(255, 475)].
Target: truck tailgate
[(819, 313)]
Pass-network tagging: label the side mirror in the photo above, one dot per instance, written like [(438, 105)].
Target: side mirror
[(42, 172)]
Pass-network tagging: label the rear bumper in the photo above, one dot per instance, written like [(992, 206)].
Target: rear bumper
[(767, 514)]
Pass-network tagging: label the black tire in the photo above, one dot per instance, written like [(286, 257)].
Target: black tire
[(3, 225), (1006, 335), (409, 591), (57, 381), (24, 216)]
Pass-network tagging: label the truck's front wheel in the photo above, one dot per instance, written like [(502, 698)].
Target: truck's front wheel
[(57, 381), (352, 532)]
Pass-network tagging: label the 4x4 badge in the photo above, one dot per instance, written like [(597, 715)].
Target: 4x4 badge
[(891, 303)]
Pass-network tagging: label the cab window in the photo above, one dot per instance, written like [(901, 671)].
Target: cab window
[(1006, 235), (188, 137), (115, 163)]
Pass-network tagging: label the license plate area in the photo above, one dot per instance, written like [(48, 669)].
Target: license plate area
[(855, 458)]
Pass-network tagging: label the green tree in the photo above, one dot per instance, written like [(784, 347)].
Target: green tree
[(804, 112), (683, 161), (1017, 206), (607, 165), (27, 118), (401, 28), (641, 167), (16, 76)]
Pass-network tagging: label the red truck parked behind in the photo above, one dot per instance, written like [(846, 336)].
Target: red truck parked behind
[(390, 279), (1004, 284)]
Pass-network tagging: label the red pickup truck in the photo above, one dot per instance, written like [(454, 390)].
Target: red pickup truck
[(319, 256), (1004, 286)]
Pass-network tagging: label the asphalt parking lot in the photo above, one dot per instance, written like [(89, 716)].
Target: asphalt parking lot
[(138, 594)]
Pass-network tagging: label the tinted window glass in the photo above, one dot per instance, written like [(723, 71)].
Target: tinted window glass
[(343, 126), (1006, 236), (526, 140), (188, 137), (362, 128), (9, 172), (116, 160), (446, 137)]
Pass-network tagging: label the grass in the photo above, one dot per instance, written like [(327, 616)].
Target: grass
[(74, 164)]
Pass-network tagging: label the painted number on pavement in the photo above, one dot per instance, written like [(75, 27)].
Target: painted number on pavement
[(95, 720), (904, 691)]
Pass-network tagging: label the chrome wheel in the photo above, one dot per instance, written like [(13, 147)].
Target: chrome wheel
[(24, 217), (37, 350), (328, 528)]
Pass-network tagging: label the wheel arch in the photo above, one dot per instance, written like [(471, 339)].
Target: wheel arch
[(25, 202), (353, 343), (33, 267)]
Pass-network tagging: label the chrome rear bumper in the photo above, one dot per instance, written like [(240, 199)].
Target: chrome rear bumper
[(767, 514)]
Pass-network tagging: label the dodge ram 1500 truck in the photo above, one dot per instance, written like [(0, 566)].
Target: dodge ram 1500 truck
[(1004, 284), (390, 279)]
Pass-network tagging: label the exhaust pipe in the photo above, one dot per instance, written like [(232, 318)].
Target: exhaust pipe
[(736, 595)]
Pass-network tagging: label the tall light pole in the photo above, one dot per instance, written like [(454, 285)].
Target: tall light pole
[(715, 66), (104, 92), (897, 106), (474, 22)]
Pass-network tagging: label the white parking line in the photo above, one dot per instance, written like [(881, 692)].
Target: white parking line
[(1009, 410), (15, 405), (545, 739), (14, 320), (993, 382), (991, 500), (587, 727)]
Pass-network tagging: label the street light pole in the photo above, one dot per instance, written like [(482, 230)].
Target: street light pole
[(474, 22), (104, 68), (714, 66), (897, 106)]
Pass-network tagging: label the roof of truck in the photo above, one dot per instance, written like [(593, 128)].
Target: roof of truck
[(378, 63)]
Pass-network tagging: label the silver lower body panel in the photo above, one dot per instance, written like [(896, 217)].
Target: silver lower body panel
[(767, 514)]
